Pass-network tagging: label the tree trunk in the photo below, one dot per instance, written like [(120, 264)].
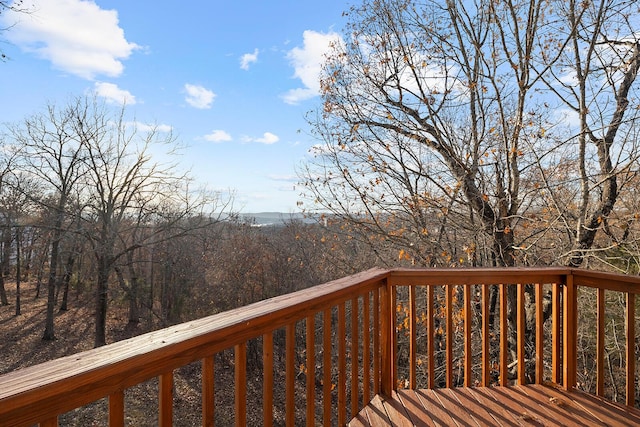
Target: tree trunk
[(101, 302), (3, 291), (18, 271), (66, 280), (134, 306), (49, 333), (40, 272), (134, 294)]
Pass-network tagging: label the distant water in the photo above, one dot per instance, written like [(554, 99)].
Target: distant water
[(263, 219)]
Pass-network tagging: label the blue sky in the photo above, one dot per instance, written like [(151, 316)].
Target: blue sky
[(231, 79)]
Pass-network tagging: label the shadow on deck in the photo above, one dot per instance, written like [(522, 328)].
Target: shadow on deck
[(530, 405)]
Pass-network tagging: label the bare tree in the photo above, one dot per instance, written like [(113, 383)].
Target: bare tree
[(595, 81), (442, 133), (442, 128), (13, 6), (126, 189), (50, 151)]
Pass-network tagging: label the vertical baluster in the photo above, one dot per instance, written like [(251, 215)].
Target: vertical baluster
[(240, 378), (468, 357), (342, 366), (116, 409), (290, 412), (267, 379), (430, 338), (386, 331), (326, 367), (556, 338), (311, 371), (539, 333), (504, 331), (412, 337), (208, 391), (631, 348), (366, 347), (165, 418), (521, 326), (355, 354), (486, 338), (449, 334), (600, 304), (376, 341), (569, 334), (393, 337)]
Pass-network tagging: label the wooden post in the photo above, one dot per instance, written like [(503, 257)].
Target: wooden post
[(342, 364), (240, 378), (486, 355), (326, 367), (521, 333), (366, 353), (290, 353), (267, 377), (600, 322), (116, 409), (449, 334), (631, 349), (355, 355), (412, 337), (504, 331), (556, 334), (539, 334), (430, 337), (377, 331), (468, 356), (569, 334), (386, 330), (311, 370), (165, 417)]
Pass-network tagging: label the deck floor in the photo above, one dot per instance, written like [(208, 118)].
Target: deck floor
[(531, 405)]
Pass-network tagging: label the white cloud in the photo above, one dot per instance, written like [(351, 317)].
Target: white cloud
[(267, 138), (150, 127), (567, 117), (284, 178), (218, 136), (77, 36), (113, 94), (307, 63), (199, 96), (248, 58)]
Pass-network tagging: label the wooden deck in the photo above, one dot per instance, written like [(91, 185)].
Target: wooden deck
[(531, 405)]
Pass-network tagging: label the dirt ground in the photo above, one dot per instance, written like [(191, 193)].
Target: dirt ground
[(21, 341), (21, 345)]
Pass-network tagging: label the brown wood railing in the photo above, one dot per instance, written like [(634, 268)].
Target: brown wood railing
[(340, 343)]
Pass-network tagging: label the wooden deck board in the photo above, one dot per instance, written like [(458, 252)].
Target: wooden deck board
[(502, 415), (412, 402), (531, 405), (433, 407), (559, 406), (471, 405)]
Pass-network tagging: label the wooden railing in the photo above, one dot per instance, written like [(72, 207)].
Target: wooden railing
[(327, 350)]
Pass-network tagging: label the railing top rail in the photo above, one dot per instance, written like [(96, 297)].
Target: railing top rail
[(472, 276), (608, 281), (512, 275), (63, 384)]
